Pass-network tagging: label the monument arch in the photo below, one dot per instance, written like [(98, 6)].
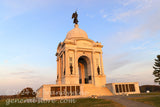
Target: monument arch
[(84, 70)]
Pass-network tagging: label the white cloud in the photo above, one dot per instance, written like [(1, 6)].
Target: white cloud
[(113, 62), (14, 8), (15, 78), (134, 72), (125, 12), (142, 46), (102, 11), (128, 2), (123, 69), (104, 16), (150, 27), (23, 71), (90, 15)]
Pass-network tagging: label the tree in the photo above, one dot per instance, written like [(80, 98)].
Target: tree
[(27, 92), (156, 71)]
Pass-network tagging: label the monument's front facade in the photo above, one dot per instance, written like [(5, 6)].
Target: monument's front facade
[(79, 60), (80, 71)]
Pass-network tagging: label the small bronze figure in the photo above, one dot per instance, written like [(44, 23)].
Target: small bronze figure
[(98, 70), (75, 16)]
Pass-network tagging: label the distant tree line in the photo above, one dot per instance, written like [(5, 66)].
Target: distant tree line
[(25, 93)]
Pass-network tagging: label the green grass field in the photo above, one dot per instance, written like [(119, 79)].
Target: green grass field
[(155, 100), (86, 102), (141, 94)]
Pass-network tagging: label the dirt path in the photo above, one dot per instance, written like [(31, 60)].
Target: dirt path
[(124, 101)]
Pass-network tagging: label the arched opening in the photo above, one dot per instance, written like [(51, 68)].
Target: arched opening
[(84, 70)]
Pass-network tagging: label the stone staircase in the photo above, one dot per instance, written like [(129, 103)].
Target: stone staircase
[(89, 90)]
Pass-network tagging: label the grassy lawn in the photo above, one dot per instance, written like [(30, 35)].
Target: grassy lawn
[(85, 102), (155, 101), (142, 94)]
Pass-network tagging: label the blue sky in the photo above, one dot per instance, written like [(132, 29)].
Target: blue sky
[(30, 31)]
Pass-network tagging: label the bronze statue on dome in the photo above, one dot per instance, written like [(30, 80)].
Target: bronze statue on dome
[(75, 16)]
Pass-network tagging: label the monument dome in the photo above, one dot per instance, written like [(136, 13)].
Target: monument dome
[(76, 32)]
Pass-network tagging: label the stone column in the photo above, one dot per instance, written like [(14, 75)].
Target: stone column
[(66, 61), (75, 63), (125, 87), (75, 91), (128, 88), (102, 68), (59, 69), (92, 67), (63, 65), (60, 90)]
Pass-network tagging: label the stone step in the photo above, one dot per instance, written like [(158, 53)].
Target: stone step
[(90, 90)]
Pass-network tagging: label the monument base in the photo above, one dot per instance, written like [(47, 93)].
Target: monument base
[(51, 91)]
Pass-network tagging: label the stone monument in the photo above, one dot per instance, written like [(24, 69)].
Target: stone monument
[(80, 71)]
